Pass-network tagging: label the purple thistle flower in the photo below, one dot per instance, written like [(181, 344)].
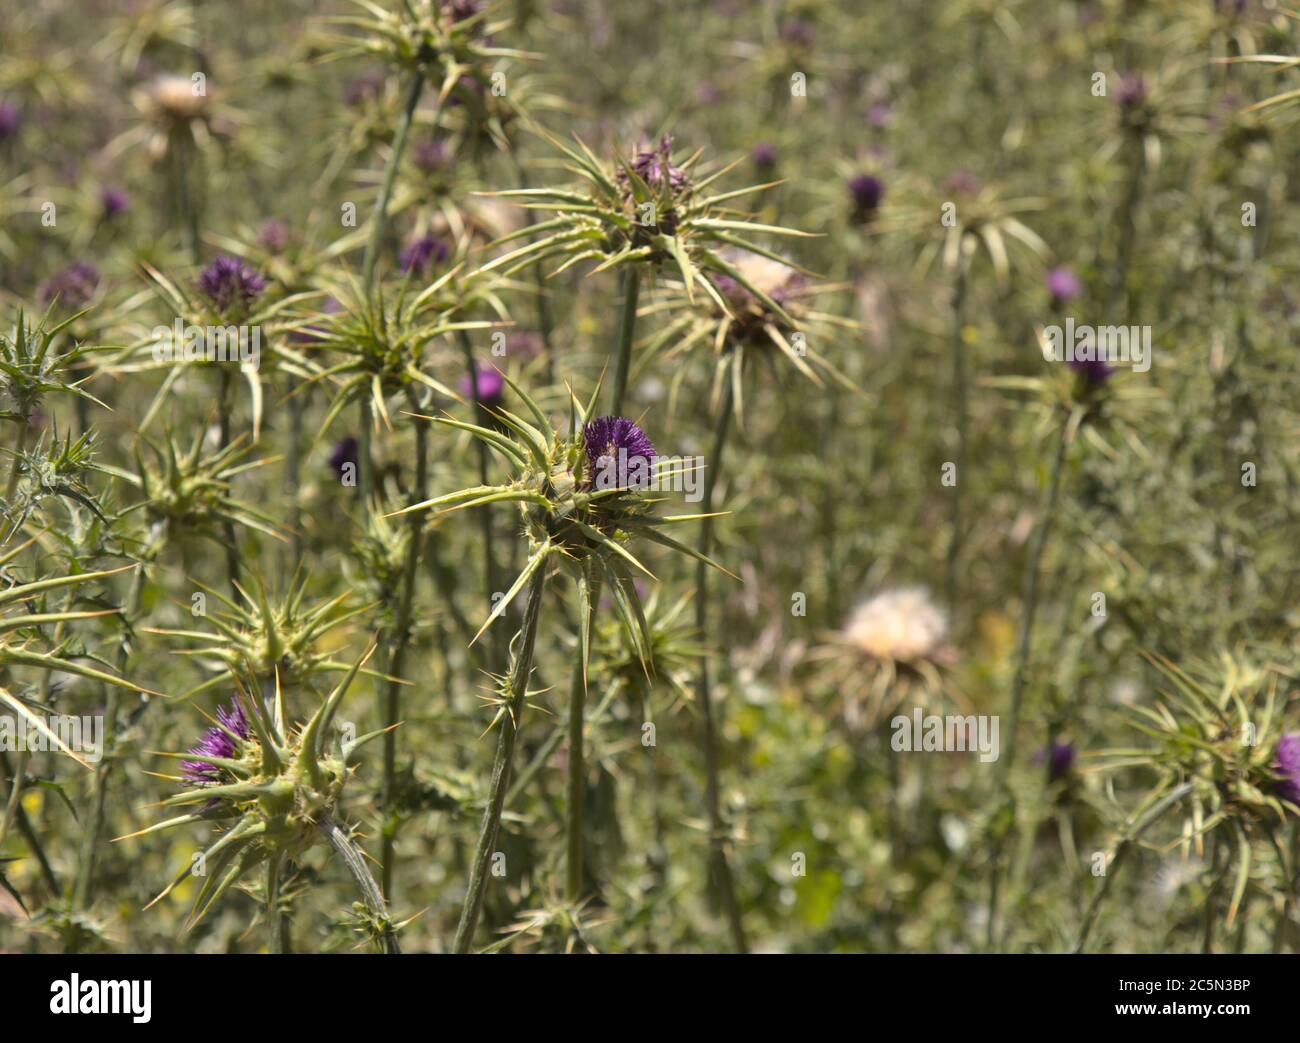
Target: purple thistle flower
[(1059, 758), (218, 741), (866, 191), (364, 88), (273, 235), (1132, 90), (430, 156), (344, 453), (1063, 285), (797, 31), (113, 200), (231, 284), (655, 167), (764, 155), (1286, 762), (1094, 372), (416, 257), (490, 384), (962, 183), (462, 9), (880, 115), (614, 441), (10, 120), (74, 286)]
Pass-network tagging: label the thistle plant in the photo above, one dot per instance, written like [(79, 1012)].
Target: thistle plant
[(645, 212), (1220, 761), (580, 493), (274, 792)]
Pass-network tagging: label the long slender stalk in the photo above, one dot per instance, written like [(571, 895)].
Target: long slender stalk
[(544, 321), (356, 865), (83, 885), (378, 224), (397, 650), (623, 346), (577, 765), (720, 868), (961, 415), (486, 528), (20, 445), (1024, 645), (1131, 836), (520, 671)]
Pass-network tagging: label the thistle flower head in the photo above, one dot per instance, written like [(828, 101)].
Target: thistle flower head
[(902, 625), (865, 192), (616, 442), (488, 386), (273, 235), (11, 118), (1131, 90), (420, 254), (1059, 758), (231, 285), (1093, 373), (113, 201), (1286, 763), (1063, 285), (222, 741), (74, 287), (764, 155), (343, 453), (655, 167), (176, 101)]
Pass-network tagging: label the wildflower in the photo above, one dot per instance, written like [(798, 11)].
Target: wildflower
[(460, 10), (231, 285), (764, 155), (10, 120), (880, 115), (430, 156), (777, 281), (113, 201), (74, 286), (614, 441), (1063, 285), (902, 625), (344, 453), (1286, 763), (221, 741), (416, 257), (488, 383), (655, 167), (866, 192), (1094, 373), (273, 235), (364, 88), (962, 183), (1059, 758), (175, 100), (1132, 91)]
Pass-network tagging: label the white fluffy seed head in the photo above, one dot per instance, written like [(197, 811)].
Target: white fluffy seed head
[(902, 624)]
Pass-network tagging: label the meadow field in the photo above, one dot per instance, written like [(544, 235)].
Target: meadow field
[(605, 476)]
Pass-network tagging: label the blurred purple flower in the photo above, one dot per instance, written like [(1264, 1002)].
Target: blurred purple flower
[(10, 120), (273, 235), (365, 87), (880, 115), (488, 382), (218, 741), (74, 286), (1063, 285), (231, 285), (1132, 90), (797, 31), (430, 156), (764, 155), (344, 453), (1094, 372), (419, 253), (113, 200), (866, 191), (1286, 762), (1059, 758), (962, 182)]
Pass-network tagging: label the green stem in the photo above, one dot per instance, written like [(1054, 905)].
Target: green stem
[(486, 528), (961, 412), (397, 652), (520, 671), (379, 218), (577, 766), (1131, 836), (20, 445), (356, 865), (623, 347), (720, 867)]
